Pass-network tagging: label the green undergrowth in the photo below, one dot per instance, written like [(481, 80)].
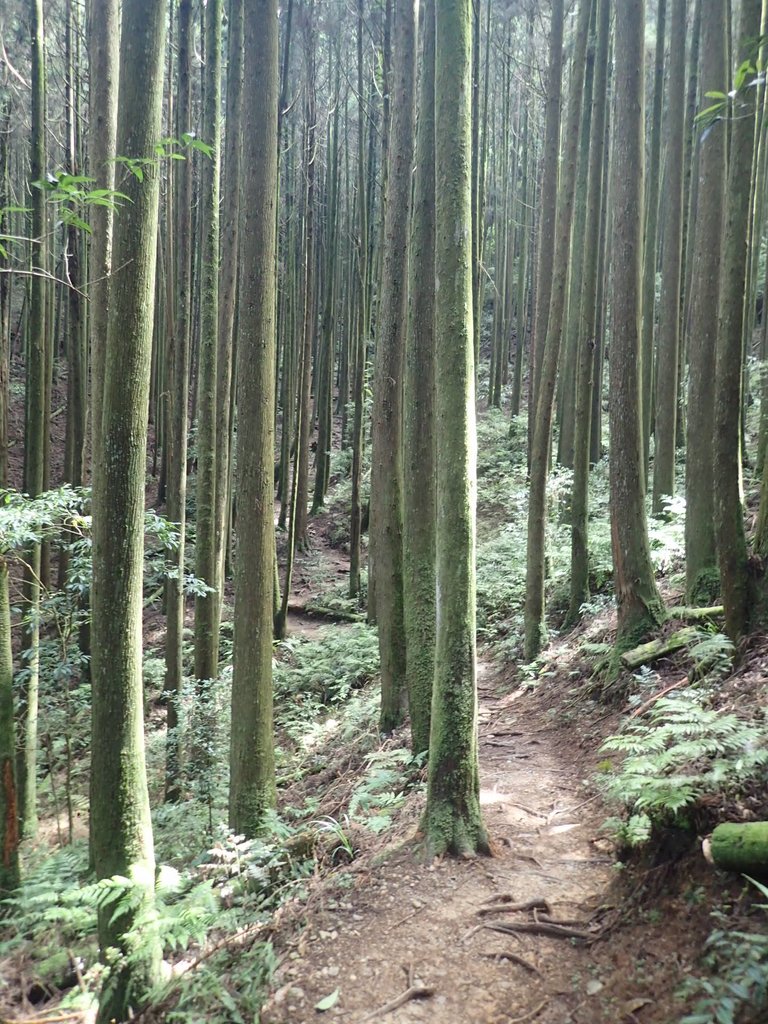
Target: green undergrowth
[(681, 750), (502, 496), (216, 891), (734, 987)]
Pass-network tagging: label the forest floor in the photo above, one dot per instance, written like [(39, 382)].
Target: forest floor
[(390, 937)]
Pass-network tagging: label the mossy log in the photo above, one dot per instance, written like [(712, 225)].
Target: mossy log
[(695, 614), (739, 847), (658, 648)]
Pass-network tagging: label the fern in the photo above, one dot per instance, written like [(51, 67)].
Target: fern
[(681, 753)]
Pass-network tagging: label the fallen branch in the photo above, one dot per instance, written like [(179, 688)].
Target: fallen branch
[(413, 992), (655, 649), (657, 696)]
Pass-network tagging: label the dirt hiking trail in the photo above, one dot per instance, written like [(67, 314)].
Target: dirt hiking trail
[(402, 924)]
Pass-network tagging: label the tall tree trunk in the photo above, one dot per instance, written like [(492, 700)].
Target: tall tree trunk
[(535, 626), (230, 238), (325, 376), (386, 531), (304, 415), (361, 341), (5, 287), (588, 320), (547, 212), (452, 819), (671, 271), (36, 426), (729, 510), (121, 827), (567, 395), (208, 426), (419, 508), (653, 183), (9, 795), (638, 603), (178, 400), (252, 761), (702, 580)]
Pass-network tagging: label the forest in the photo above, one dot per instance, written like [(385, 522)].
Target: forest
[(383, 511)]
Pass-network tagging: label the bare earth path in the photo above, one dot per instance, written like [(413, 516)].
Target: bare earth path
[(392, 921)]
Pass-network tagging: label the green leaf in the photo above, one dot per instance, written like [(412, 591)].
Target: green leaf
[(328, 1002), (198, 144)]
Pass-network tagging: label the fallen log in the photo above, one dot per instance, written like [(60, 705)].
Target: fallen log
[(739, 847), (654, 649), (690, 613)]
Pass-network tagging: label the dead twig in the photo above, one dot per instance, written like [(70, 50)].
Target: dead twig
[(402, 920), (657, 696), (412, 992)]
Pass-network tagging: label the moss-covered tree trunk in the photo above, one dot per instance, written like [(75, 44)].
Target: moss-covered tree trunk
[(547, 207), (638, 603), (230, 238), (121, 828), (653, 185), (701, 575), (299, 533), (386, 530), (419, 407), (208, 426), (178, 399), (36, 426), (729, 510), (566, 413), (588, 320), (5, 286), (452, 819), (252, 763), (671, 270), (535, 626), (361, 340), (9, 794)]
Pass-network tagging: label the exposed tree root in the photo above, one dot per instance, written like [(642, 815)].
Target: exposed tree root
[(501, 905), (515, 959), (552, 931), (412, 992)]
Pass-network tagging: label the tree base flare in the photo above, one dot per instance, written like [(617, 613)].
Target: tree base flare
[(452, 832)]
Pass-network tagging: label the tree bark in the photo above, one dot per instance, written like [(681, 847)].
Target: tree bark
[(638, 602), (452, 818), (386, 529), (419, 508), (671, 271), (729, 511), (535, 626), (701, 574), (252, 762), (121, 827)]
